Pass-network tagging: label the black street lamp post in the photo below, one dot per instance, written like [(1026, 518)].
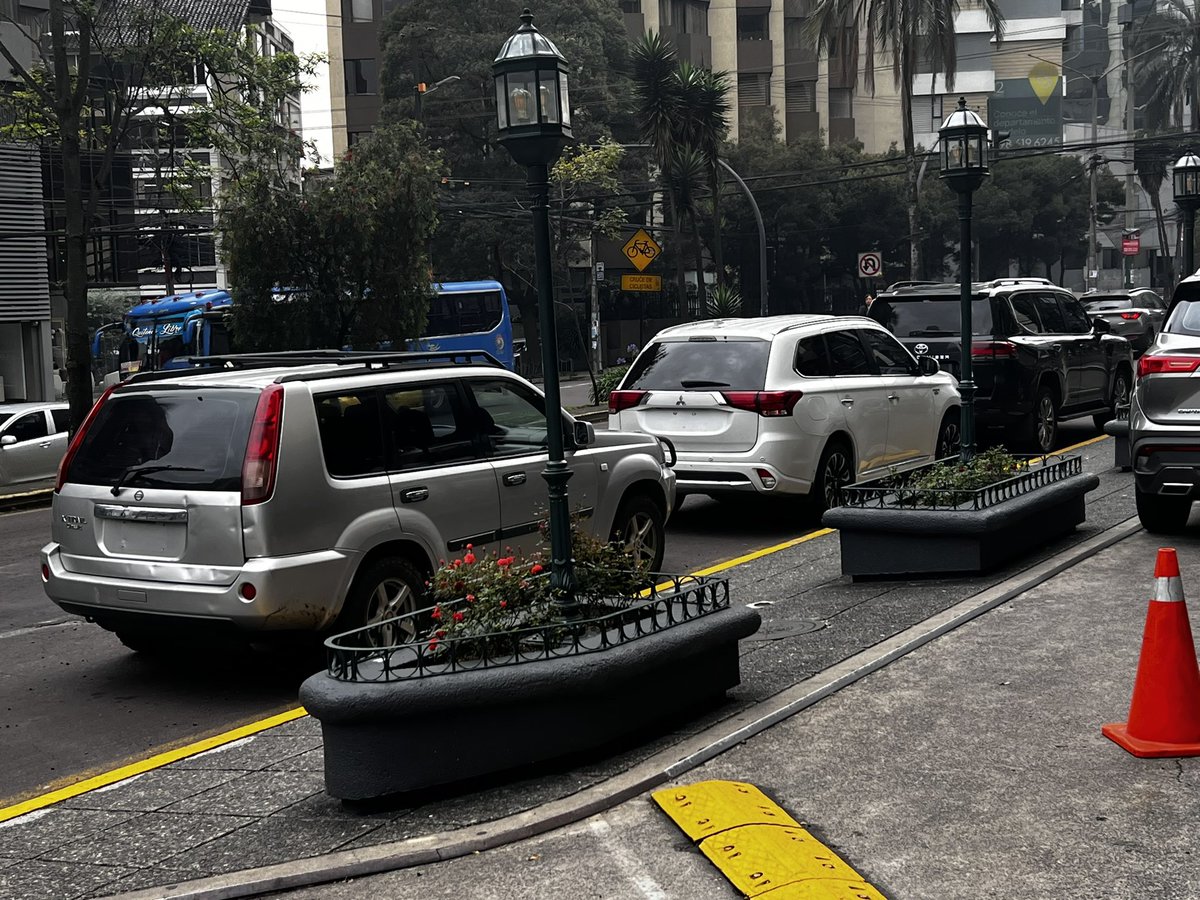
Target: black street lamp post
[(533, 114), (964, 141), (1186, 178)]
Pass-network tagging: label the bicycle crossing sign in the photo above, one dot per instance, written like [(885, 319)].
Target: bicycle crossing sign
[(870, 265), (641, 250)]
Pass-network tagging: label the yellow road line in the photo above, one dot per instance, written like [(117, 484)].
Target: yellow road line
[(145, 765), (766, 551), (761, 849)]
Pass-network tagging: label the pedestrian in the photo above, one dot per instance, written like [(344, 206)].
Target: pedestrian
[(866, 307)]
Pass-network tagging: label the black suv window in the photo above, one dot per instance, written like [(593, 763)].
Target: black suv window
[(1051, 316), (429, 425), (28, 427), (890, 357), (1076, 319), (934, 316), (811, 359), (351, 433), (739, 365), (205, 429), (1025, 311), (847, 355)]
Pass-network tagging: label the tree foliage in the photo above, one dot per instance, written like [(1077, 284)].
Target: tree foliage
[(350, 250)]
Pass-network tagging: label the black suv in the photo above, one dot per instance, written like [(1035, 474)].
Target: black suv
[(1036, 356)]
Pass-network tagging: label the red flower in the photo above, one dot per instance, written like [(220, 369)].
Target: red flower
[(457, 563), (437, 613), (504, 562), (469, 558), (459, 585), (470, 598), (433, 643), (535, 570), (470, 546), (504, 604), (458, 617)]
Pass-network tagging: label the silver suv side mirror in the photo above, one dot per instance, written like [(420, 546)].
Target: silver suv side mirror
[(8, 440), (928, 365), (584, 433)]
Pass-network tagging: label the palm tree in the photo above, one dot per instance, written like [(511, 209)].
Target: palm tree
[(1150, 162), (911, 31), (683, 111), (1172, 73)]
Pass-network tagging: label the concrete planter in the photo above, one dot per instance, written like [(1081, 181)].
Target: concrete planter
[(396, 736), (905, 541)]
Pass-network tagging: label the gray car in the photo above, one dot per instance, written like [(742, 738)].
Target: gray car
[(1136, 315), (33, 438), (319, 497), (1164, 418)]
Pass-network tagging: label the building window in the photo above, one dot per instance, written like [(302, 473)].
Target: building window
[(753, 26), (361, 77), (927, 114), (631, 6), (801, 96), (754, 89), (841, 104), (698, 18), (794, 37), (360, 10), (355, 137)]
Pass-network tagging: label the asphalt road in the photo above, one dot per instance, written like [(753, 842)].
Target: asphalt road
[(74, 701)]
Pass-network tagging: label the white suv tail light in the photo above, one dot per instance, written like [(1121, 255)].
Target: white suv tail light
[(765, 403)]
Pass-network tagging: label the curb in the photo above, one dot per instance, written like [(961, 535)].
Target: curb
[(27, 500), (659, 769), (597, 416)]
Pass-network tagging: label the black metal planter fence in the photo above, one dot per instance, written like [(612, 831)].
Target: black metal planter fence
[(899, 491), (370, 654)]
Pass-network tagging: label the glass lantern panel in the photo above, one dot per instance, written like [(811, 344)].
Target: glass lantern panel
[(547, 98), (522, 101), (956, 153), (1178, 183), (974, 145), (564, 98), (1191, 182), (501, 106)]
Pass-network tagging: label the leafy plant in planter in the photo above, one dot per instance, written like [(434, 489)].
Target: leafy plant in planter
[(949, 483), (480, 599), (606, 383)]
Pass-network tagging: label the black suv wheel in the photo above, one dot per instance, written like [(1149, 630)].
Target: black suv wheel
[(1040, 430)]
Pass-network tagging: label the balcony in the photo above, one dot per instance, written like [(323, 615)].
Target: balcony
[(755, 56), (635, 24), (799, 65), (695, 48), (841, 130), (803, 124)]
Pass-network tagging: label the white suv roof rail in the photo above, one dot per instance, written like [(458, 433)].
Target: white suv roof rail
[(1022, 279)]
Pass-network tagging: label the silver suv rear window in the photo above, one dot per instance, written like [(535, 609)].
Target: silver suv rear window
[(202, 429), (738, 365)]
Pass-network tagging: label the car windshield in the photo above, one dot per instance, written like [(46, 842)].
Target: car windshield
[(1095, 304), (930, 316), (1185, 319), (199, 434), (739, 365)]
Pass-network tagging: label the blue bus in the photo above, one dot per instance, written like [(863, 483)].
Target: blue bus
[(463, 315)]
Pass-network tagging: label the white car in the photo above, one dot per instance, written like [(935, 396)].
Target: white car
[(787, 405), (33, 438)]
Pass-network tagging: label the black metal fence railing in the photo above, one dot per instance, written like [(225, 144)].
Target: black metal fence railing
[(370, 654), (901, 491)]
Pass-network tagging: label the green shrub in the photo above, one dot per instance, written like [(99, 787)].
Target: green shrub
[(950, 483), (606, 383)]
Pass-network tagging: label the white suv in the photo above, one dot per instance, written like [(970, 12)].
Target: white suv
[(787, 405), (318, 493)]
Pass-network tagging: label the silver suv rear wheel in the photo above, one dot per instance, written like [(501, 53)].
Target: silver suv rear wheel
[(384, 590), (639, 528)]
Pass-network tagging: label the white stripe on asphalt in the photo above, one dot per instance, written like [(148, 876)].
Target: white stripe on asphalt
[(41, 626)]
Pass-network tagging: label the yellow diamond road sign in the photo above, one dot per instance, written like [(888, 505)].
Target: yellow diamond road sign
[(641, 250)]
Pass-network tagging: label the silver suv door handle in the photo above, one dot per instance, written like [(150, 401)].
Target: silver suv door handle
[(847, 402), (1056, 347), (893, 397), (414, 495), (514, 478)]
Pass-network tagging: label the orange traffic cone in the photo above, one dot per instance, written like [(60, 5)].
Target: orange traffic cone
[(1164, 716)]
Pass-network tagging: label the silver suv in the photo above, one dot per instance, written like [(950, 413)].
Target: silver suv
[(318, 494)]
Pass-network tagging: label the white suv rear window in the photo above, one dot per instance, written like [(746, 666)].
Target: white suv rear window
[(739, 365)]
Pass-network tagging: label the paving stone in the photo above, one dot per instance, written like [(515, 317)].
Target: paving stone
[(147, 840), (303, 725), (311, 761), (271, 840), (253, 753), (32, 834), (254, 794), (143, 878), (152, 791), (44, 880)]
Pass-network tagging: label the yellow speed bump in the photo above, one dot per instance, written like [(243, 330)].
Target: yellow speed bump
[(761, 849)]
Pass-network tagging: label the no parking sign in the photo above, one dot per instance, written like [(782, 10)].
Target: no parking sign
[(870, 265)]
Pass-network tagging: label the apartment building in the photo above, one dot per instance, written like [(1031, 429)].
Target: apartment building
[(178, 249)]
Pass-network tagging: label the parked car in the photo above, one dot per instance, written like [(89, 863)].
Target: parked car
[(267, 497), (790, 406), (1036, 356), (33, 438), (1164, 417), (1136, 315)]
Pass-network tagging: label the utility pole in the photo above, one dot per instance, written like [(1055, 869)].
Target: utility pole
[(1130, 202)]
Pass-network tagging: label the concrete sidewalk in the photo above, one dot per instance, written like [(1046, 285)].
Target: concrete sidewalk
[(971, 768), (259, 802)]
